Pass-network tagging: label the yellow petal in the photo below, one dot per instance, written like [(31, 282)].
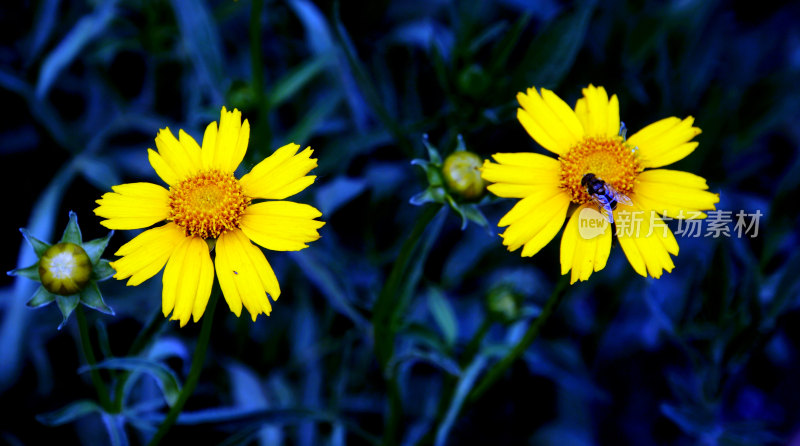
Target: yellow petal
[(665, 141), (532, 203), (133, 206), (226, 147), (580, 254), (535, 223), (645, 239), (188, 278), (598, 114), (162, 168), (182, 157), (145, 255), (244, 274), (281, 174), (550, 229), (519, 175), (281, 225), (538, 133), (549, 120), (674, 192)]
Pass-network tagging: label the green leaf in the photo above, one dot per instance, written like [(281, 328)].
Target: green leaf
[(29, 272), (316, 115), (464, 386), (40, 298), (296, 79), (94, 248), (70, 46), (436, 358), (68, 413), (443, 315), (72, 233), (102, 270), (67, 305), (91, 297), (553, 52), (39, 247), (165, 378)]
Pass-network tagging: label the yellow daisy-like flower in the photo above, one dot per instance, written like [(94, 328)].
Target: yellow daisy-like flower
[(207, 207), (587, 140)]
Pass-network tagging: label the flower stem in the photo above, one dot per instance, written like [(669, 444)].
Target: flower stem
[(194, 371), (392, 300), (86, 344), (533, 332)]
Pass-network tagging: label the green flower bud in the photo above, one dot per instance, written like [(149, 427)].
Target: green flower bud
[(504, 304), (65, 269), (68, 271), (462, 174)]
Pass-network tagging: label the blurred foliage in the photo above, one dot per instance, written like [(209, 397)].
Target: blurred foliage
[(388, 321)]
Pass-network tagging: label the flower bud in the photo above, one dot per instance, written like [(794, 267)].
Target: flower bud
[(504, 304), (65, 269), (462, 174)]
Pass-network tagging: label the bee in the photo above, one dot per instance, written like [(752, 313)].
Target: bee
[(604, 195)]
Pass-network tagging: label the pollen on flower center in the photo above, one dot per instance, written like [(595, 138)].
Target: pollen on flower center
[(208, 204), (609, 158)]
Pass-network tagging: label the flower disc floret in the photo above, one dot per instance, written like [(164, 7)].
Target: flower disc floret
[(65, 269), (208, 204), (608, 158)]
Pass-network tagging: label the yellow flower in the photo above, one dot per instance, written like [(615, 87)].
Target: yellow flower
[(588, 140), (206, 207)]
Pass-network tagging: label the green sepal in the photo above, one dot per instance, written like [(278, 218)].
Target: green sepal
[(30, 272), (468, 212), (39, 247), (102, 270), (429, 195), (72, 233), (433, 154), (474, 215), (94, 248), (460, 146), (67, 305), (40, 298), (91, 297)]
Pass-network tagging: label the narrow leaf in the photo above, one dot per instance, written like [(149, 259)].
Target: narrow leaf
[(71, 45), (296, 79), (70, 412), (164, 377), (443, 315)]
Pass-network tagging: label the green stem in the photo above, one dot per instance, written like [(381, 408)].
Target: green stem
[(141, 342), (86, 344), (194, 371), (475, 343), (533, 332), (384, 321), (257, 71)]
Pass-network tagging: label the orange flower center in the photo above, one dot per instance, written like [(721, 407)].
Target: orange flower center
[(208, 204), (608, 158)]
